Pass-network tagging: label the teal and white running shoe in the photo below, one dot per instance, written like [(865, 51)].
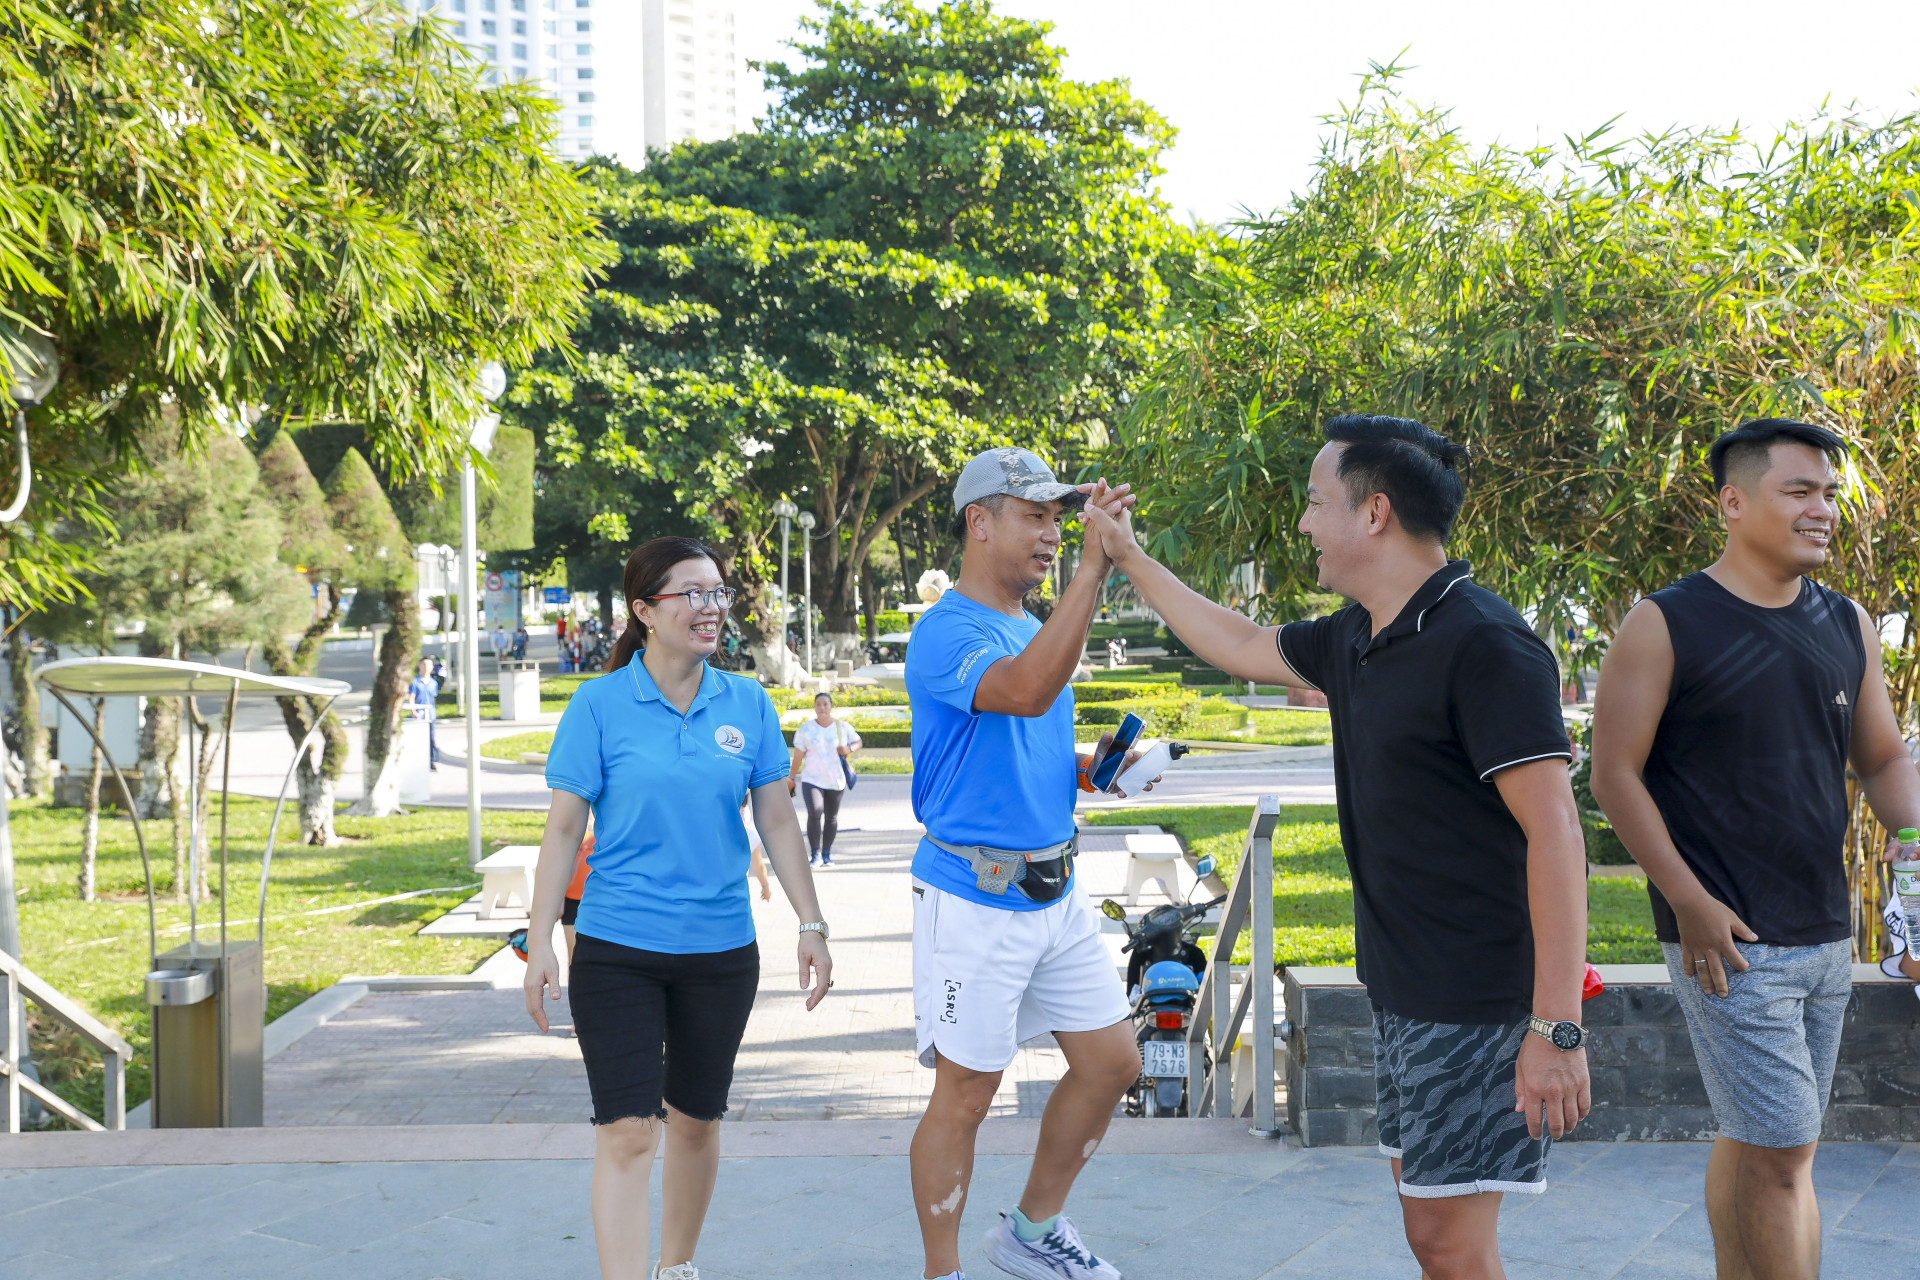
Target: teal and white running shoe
[(1057, 1255)]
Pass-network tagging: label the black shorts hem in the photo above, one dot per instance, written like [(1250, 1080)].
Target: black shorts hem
[(721, 1115), (660, 1114)]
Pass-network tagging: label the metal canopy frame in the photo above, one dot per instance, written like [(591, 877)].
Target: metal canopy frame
[(170, 677)]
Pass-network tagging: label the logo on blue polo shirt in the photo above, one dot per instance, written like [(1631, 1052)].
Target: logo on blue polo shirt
[(730, 738)]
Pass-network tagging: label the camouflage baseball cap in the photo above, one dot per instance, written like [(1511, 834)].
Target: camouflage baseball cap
[(1016, 472)]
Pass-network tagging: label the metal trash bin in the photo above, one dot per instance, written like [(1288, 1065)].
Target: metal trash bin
[(209, 1029)]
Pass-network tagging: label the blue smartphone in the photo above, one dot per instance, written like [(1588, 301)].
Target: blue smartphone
[(1123, 739)]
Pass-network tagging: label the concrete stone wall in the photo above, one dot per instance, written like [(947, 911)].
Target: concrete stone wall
[(1646, 1084)]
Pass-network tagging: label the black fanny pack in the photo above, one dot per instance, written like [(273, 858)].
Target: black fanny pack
[(1041, 875)]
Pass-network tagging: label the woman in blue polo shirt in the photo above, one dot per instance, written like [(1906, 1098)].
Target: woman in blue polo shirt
[(662, 750)]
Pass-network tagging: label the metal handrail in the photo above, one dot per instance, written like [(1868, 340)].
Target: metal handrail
[(115, 1053), (1217, 1018)]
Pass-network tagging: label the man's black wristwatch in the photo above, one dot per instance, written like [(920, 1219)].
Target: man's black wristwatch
[(1566, 1036)]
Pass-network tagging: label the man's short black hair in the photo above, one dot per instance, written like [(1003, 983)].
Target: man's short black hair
[(1751, 443), (992, 502), (1422, 472)]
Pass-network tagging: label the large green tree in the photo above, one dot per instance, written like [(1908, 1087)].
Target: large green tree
[(197, 569), (312, 544), (935, 242), (1587, 320), (312, 205), (379, 562)]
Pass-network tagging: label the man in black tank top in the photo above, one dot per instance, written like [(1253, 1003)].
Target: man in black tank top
[(1729, 707)]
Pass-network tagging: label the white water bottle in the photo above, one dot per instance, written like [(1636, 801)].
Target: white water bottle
[(1906, 879), (1151, 764)]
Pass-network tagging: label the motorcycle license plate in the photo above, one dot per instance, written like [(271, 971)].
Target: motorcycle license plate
[(1162, 1058)]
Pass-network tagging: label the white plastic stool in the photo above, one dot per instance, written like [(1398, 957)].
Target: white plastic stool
[(1155, 858), (507, 880)]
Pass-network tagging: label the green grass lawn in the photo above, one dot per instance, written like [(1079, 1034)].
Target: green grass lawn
[(554, 693), (510, 747), (96, 952), (1313, 894), (1287, 728)]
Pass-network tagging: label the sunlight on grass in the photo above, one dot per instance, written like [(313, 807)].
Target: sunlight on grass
[(96, 953), (1313, 892)]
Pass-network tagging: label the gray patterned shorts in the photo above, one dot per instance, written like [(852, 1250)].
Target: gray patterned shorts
[(1443, 1094), (1767, 1049)]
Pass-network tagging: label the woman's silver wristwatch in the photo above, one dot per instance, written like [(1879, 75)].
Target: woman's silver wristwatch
[(819, 927)]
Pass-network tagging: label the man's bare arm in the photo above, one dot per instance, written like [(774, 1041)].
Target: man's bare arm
[(1877, 751), (1634, 681), (1546, 1079), (1026, 683), (1231, 641)]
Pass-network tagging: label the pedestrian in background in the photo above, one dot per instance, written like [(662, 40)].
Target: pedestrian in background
[(422, 692), (662, 752), (822, 764)]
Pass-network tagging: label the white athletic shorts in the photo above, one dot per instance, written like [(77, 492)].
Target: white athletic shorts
[(985, 979)]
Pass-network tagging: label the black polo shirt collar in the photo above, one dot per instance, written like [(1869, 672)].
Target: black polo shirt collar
[(1413, 616)]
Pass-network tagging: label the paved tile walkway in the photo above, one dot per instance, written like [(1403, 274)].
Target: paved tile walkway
[(1624, 1210), (447, 1057)]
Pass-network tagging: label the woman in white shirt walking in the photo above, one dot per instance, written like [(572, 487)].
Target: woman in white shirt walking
[(821, 748)]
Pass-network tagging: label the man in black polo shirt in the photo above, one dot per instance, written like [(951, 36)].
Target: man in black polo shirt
[(1459, 825)]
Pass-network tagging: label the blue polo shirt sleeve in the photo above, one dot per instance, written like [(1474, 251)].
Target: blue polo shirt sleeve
[(574, 762), (950, 652), (1304, 646), (1506, 700), (771, 762)]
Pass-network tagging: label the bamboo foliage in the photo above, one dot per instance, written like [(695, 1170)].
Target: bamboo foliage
[(1587, 318)]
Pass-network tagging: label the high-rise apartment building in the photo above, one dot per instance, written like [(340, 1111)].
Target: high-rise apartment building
[(627, 74), (691, 72)]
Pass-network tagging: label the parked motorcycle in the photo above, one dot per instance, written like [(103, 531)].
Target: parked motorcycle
[(1164, 969)]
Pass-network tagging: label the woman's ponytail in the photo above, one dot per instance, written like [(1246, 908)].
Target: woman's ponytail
[(646, 573)]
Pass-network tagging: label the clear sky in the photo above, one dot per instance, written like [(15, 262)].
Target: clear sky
[(1246, 80)]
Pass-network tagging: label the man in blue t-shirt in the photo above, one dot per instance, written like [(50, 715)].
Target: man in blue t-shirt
[(421, 694), (1005, 946)]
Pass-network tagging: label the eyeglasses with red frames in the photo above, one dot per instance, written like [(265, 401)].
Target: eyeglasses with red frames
[(720, 598)]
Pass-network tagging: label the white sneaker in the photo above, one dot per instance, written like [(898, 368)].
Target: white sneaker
[(1896, 922), (1057, 1255), (678, 1271)]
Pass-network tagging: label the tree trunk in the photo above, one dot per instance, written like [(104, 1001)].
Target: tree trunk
[(846, 559), (202, 799), (319, 770), (90, 827), (869, 604), (399, 648), (605, 597), (35, 761)]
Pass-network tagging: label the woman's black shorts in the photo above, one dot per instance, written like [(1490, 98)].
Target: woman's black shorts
[(655, 1026), (569, 911)]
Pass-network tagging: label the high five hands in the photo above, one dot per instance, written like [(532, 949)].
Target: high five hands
[(1108, 518), (1107, 508)]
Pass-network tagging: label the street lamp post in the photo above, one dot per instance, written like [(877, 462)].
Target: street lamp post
[(493, 380), (33, 368), (806, 523), (786, 511)]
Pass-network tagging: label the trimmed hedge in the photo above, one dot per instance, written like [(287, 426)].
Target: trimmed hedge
[(785, 699), (1118, 690), (902, 737)]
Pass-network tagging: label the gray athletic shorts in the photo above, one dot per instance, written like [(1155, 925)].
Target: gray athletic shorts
[(1444, 1098), (1766, 1050)]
